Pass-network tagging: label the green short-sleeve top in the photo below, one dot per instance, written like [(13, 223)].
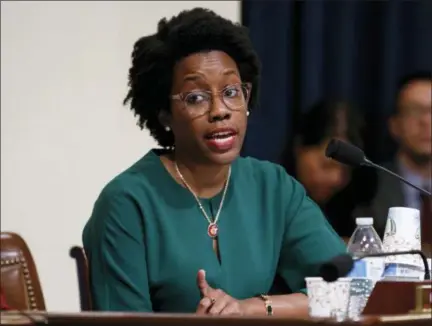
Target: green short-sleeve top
[(147, 238)]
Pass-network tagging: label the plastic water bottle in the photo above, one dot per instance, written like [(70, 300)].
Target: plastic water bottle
[(367, 271), (365, 240)]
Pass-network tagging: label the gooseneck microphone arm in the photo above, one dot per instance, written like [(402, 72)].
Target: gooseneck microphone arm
[(351, 155), (427, 275), (366, 162), (341, 266)]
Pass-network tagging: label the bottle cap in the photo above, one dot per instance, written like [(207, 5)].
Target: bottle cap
[(364, 220)]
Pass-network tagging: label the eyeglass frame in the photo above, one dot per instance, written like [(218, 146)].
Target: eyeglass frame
[(414, 112), (182, 96)]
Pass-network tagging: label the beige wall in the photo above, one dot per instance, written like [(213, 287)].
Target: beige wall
[(64, 132)]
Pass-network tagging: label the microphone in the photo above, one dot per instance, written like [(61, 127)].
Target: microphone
[(341, 265), (351, 155)]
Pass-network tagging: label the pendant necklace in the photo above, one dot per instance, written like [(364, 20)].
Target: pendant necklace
[(212, 229)]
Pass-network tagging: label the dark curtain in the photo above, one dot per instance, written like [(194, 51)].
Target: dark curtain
[(351, 50)]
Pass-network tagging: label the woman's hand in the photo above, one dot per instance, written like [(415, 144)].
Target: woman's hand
[(216, 301)]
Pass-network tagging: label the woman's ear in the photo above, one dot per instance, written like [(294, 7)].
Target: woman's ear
[(249, 90), (165, 119)]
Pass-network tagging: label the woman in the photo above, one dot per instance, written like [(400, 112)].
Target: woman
[(326, 180), (194, 227)]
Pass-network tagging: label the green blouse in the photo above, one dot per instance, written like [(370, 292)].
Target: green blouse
[(147, 238)]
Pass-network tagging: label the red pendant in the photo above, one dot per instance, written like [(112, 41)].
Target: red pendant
[(212, 230)]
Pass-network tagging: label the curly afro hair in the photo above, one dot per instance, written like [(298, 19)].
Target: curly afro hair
[(154, 58)]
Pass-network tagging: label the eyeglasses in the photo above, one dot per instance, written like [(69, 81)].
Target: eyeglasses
[(416, 112), (199, 102)]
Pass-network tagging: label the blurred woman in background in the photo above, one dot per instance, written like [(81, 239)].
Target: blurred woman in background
[(325, 180)]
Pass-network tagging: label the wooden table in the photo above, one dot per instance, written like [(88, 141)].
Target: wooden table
[(125, 319)]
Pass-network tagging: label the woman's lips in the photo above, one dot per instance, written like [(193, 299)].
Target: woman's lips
[(221, 144)]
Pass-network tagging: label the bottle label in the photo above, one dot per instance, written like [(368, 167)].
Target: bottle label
[(403, 271), (372, 268)]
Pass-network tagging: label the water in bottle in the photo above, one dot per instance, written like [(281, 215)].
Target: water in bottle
[(367, 271)]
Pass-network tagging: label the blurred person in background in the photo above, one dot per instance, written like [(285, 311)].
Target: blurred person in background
[(410, 127), (326, 180)]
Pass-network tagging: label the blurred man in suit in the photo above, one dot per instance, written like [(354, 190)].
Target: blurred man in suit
[(410, 127)]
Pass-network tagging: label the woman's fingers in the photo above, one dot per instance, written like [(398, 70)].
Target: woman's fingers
[(203, 306)]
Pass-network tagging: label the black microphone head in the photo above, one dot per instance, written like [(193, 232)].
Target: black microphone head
[(345, 153), (338, 267)]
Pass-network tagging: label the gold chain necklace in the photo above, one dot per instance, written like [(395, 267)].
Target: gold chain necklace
[(213, 228)]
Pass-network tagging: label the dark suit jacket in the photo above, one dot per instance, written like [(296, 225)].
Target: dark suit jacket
[(388, 193)]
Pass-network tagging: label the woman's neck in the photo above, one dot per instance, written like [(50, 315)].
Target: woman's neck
[(206, 180)]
